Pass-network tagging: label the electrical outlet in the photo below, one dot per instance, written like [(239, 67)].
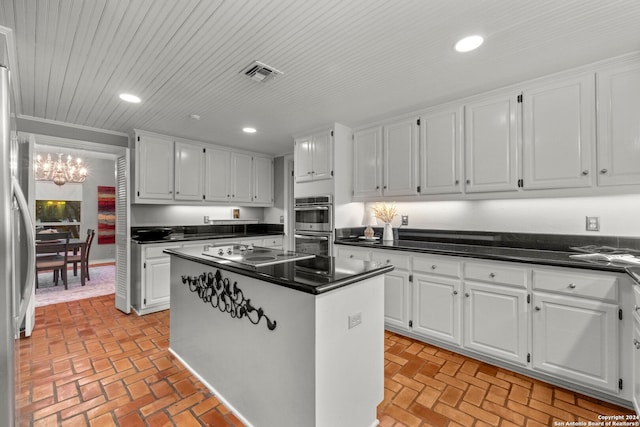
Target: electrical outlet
[(206, 219), (593, 223), (355, 320), (405, 219)]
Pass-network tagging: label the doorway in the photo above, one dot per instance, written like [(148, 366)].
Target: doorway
[(103, 170)]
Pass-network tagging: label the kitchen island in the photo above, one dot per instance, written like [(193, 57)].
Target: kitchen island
[(296, 343)]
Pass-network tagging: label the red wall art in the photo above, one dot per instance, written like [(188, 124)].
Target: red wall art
[(106, 215)]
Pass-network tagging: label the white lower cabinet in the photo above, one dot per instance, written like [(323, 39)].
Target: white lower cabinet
[(150, 281), (396, 288), (437, 298), (558, 324), (575, 327), (576, 339), (496, 321)]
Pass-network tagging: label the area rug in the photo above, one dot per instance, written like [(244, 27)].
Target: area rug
[(102, 283)]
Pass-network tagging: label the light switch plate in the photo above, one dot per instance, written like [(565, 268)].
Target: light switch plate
[(593, 223), (355, 320), (405, 219)]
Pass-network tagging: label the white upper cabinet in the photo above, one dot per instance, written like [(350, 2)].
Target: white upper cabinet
[(217, 184), (619, 125), (263, 180), (491, 144), (154, 168), (241, 183), (440, 150), (558, 134), (367, 166), (189, 171), (313, 157), (385, 160), (400, 158)]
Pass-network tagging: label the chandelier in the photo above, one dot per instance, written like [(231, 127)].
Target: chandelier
[(59, 171)]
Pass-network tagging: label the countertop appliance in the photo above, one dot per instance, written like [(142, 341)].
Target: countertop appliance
[(17, 265), (253, 256), (313, 231)]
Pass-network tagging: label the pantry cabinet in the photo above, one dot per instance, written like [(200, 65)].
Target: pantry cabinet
[(618, 125), (491, 144), (559, 134), (154, 168), (189, 170), (313, 157), (440, 151)]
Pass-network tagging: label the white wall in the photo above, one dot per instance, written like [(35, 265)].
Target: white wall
[(619, 215), (158, 215)]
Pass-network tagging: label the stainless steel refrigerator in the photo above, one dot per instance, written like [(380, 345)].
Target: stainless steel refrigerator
[(17, 252)]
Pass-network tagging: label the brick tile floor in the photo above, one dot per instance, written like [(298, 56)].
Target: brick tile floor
[(87, 364)]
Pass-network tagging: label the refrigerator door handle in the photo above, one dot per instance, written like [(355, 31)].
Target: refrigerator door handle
[(25, 291)]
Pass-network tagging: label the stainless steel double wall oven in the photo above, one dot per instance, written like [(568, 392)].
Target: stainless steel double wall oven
[(314, 225)]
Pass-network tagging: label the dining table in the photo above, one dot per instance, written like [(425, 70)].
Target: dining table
[(74, 245)]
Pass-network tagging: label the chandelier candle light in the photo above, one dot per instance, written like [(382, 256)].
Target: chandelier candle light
[(59, 171), (386, 214)]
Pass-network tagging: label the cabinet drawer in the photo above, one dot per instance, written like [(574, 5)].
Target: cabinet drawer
[(273, 241), (156, 251), (354, 253), (493, 273), (576, 283), (436, 265), (399, 261)]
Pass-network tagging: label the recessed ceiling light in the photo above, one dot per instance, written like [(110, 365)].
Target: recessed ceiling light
[(469, 43), (194, 116), (249, 130), (129, 98)]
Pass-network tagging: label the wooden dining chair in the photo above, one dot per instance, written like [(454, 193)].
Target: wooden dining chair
[(52, 255), (77, 258)]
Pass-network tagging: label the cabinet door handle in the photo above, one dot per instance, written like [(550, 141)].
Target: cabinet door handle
[(457, 181), (433, 267), (385, 187), (603, 171), (388, 261), (572, 285), (492, 275), (468, 181), (455, 292), (585, 172), (636, 307), (466, 294), (538, 308), (636, 343), (377, 187), (351, 256)]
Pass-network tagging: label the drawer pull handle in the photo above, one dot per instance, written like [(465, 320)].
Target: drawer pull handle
[(572, 285), (538, 308), (351, 256), (492, 275), (466, 294), (388, 261), (636, 307), (636, 343), (433, 267), (585, 172), (603, 171), (455, 292)]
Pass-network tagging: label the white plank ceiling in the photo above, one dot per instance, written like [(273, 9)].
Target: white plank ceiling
[(347, 61)]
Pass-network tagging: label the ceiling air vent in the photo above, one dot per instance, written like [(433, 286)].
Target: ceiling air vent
[(260, 72)]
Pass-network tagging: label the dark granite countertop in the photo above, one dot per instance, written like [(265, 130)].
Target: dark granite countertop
[(209, 232), (314, 276), (543, 249)]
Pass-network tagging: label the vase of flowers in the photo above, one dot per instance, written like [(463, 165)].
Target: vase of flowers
[(386, 213)]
